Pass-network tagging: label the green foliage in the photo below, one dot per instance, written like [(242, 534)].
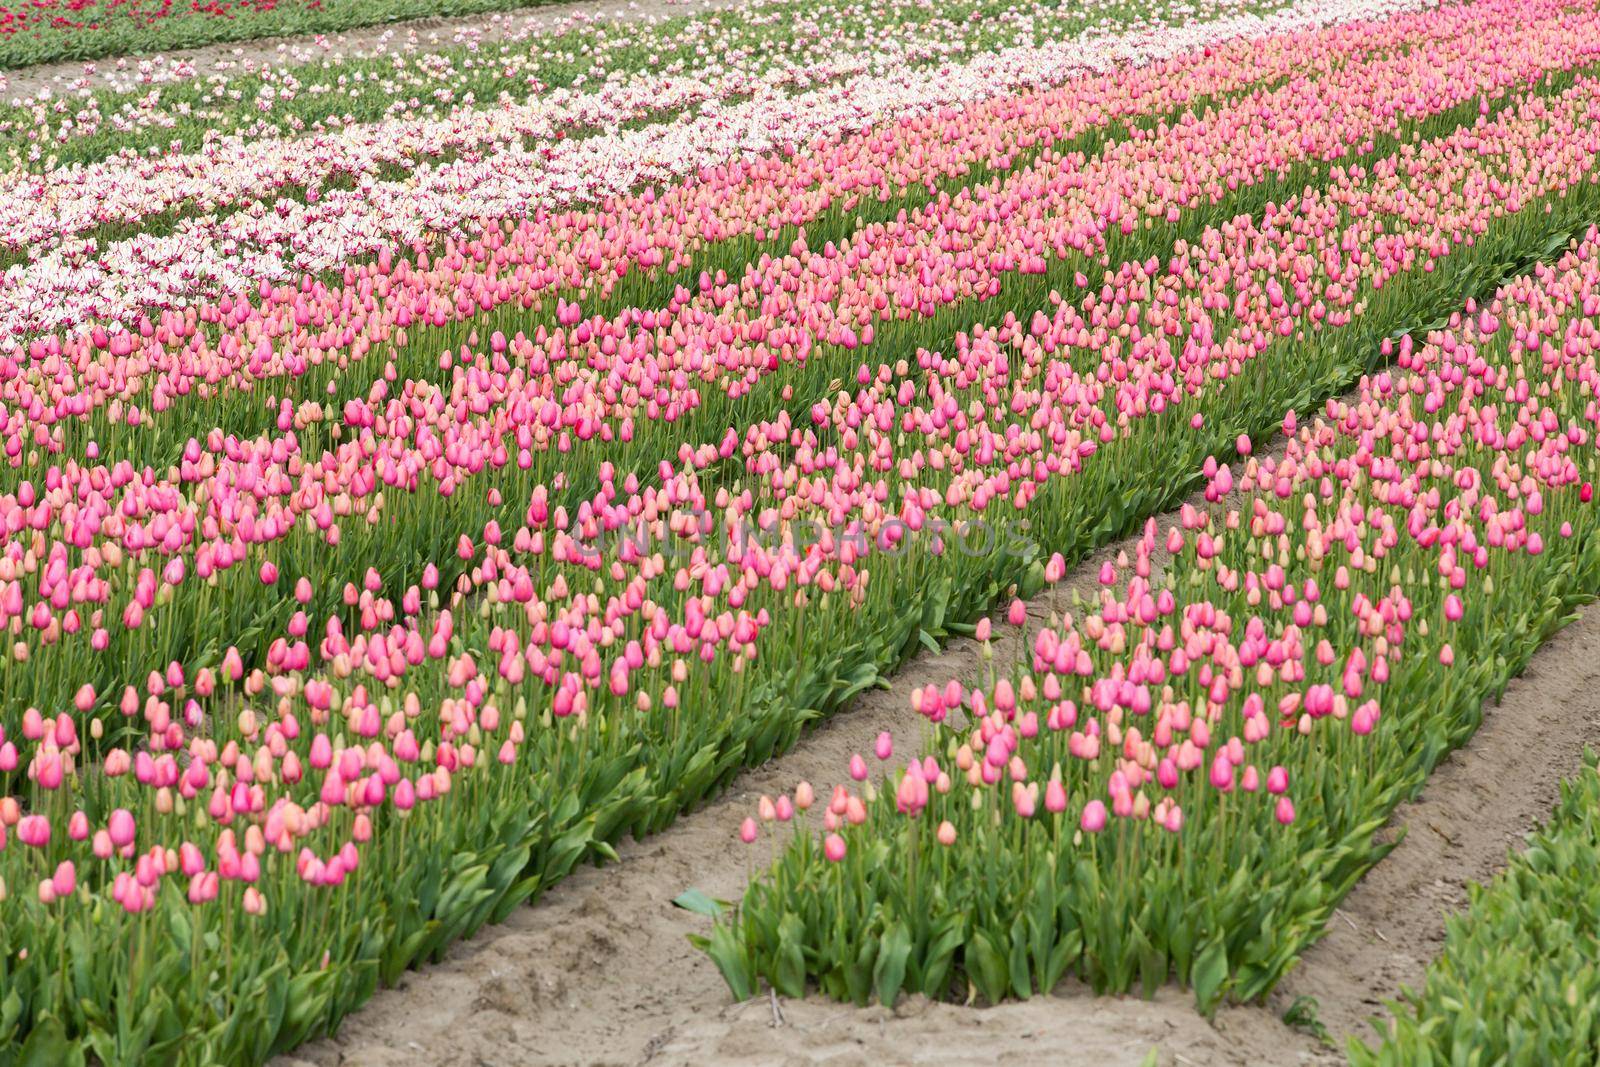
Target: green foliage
[(1518, 981)]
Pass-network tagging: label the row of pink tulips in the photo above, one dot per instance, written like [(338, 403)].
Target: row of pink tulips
[(1186, 775), (148, 533), (181, 360)]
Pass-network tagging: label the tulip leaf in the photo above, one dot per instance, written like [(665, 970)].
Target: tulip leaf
[(789, 975), (47, 1046), (1210, 975), (732, 962), (891, 967), (697, 901), (987, 967)]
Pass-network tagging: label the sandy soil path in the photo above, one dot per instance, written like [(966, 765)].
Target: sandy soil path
[(428, 34)]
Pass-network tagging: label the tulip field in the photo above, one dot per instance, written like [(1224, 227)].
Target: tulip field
[(39, 31), (427, 469)]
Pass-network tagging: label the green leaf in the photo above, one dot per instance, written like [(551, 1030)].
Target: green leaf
[(1152, 965), (182, 931), (789, 973), (987, 967), (890, 972), (697, 901), (47, 1046), (858, 973), (941, 950), (728, 954), (1021, 980), (861, 679), (1210, 976)]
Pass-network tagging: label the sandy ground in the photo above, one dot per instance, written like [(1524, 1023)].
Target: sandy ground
[(428, 34)]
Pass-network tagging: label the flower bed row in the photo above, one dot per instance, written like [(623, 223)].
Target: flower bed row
[(326, 87), (638, 252), (240, 239), (1189, 774), (44, 31)]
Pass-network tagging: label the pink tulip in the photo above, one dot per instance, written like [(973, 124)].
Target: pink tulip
[(34, 831), (883, 748), (65, 880), (833, 848), (121, 828)]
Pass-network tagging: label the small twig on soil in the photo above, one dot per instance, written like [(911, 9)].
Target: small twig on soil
[(657, 1043), (777, 1012), (1448, 839), (1351, 923)]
